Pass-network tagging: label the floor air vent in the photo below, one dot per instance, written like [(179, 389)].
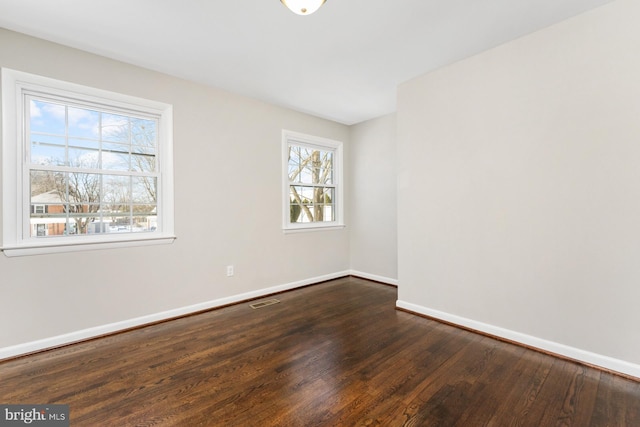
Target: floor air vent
[(264, 303)]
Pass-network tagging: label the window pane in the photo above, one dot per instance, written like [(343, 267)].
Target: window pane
[(302, 194), (83, 189), (294, 164), (293, 173), (304, 216), (321, 198), (329, 213), (49, 227), (98, 227), (81, 217), (47, 117), (143, 133), (115, 128), (294, 154), (306, 166), (83, 122), (48, 216), (306, 193), (143, 189), (301, 204), (325, 205), (43, 187), (143, 163), (48, 187), (326, 168), (116, 193), (294, 212), (309, 166), (119, 224), (48, 150), (327, 196), (146, 222), (84, 158), (116, 157)]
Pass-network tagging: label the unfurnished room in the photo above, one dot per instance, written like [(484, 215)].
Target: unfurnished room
[(320, 213)]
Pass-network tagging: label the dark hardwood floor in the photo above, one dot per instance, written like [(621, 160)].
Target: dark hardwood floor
[(336, 353)]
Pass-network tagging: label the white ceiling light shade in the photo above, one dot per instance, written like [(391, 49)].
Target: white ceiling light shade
[(303, 7)]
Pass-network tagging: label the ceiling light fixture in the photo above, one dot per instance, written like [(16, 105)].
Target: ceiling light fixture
[(303, 7)]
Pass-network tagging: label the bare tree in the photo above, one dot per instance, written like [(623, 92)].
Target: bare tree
[(81, 192), (144, 154), (115, 198)]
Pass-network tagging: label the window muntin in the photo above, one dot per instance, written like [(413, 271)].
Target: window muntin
[(312, 177), (83, 168)]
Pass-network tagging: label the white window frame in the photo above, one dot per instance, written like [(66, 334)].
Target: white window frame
[(16, 239), (325, 144)]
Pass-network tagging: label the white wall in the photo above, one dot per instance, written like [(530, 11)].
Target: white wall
[(228, 210), (519, 187), (372, 200)]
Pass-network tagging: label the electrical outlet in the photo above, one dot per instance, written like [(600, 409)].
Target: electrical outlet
[(229, 270)]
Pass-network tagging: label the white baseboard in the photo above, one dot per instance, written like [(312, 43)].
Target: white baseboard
[(374, 277), (84, 334), (577, 354)]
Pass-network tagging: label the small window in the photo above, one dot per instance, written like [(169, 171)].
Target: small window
[(312, 176), (95, 167)]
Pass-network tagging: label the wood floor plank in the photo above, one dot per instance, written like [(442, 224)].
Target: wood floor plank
[(332, 354), (519, 393), (496, 378)]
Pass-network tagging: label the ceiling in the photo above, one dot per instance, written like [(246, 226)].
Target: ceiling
[(342, 63)]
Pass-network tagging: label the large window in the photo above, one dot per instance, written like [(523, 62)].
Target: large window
[(312, 177), (82, 167)]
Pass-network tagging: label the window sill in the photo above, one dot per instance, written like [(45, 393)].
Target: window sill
[(60, 247), (312, 228)]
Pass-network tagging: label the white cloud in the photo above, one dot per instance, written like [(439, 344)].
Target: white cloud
[(34, 110), (55, 110), (113, 125)]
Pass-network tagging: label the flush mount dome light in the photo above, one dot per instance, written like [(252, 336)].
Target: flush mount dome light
[(303, 7)]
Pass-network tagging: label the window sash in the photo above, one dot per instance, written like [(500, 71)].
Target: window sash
[(98, 143)]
